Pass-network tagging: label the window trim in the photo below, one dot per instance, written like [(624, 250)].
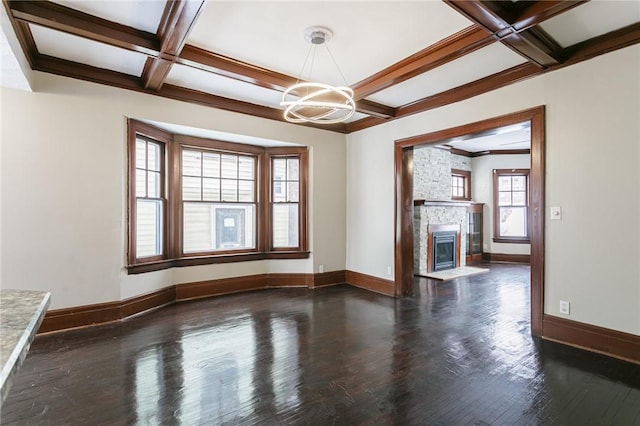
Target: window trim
[(173, 255), (466, 176), (497, 238), (303, 155), (162, 138)]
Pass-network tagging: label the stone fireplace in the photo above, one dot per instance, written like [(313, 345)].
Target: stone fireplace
[(433, 207)]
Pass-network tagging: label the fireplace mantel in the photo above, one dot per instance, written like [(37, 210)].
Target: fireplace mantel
[(446, 203)]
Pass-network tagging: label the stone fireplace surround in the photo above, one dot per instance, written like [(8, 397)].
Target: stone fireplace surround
[(432, 181), (430, 215)]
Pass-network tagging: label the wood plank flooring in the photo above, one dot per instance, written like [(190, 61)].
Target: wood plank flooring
[(458, 352)]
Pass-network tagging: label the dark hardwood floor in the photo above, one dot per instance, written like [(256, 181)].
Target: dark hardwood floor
[(458, 352)]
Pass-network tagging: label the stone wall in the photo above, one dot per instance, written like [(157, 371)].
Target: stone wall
[(432, 182), (432, 172)]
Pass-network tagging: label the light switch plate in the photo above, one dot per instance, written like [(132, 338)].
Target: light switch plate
[(556, 213)]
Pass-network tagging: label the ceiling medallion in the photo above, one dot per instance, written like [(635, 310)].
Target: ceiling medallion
[(310, 102)]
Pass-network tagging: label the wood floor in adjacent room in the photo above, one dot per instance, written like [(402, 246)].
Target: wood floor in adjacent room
[(458, 352)]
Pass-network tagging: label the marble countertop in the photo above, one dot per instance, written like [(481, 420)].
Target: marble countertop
[(21, 313)]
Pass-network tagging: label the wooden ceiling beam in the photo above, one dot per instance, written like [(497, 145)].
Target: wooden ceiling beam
[(536, 12), (221, 65), (62, 18), (533, 43), (588, 49), (79, 71), (167, 47), (446, 50), (178, 19)]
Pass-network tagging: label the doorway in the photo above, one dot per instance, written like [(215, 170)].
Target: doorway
[(404, 201)]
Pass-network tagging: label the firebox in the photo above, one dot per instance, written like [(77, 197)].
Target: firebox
[(444, 250)]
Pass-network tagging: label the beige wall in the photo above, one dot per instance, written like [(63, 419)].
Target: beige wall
[(63, 187), (482, 191), (64, 184), (593, 163)]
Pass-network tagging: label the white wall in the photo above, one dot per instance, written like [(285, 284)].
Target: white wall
[(64, 184), (482, 192), (593, 163)]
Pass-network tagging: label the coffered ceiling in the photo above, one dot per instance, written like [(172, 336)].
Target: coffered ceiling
[(400, 57)]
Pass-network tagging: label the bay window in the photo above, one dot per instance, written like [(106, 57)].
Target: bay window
[(220, 201)]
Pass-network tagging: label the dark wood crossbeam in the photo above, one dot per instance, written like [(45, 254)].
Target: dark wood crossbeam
[(515, 24), (85, 72), (177, 21), (583, 51), (62, 18), (446, 50), (495, 17)]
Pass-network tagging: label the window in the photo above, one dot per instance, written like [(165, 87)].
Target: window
[(511, 204), (460, 184), (196, 201), (218, 201), (285, 201)]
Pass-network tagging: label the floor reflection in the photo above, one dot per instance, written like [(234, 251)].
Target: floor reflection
[(458, 352)]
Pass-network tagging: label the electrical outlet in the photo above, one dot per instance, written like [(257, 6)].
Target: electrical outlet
[(389, 270), (321, 268), (564, 307)]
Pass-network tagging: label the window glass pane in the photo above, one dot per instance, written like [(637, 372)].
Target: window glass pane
[(148, 228), (285, 225), (215, 227), (211, 165), (504, 199), (191, 189), (293, 191), (293, 167), (141, 183), (141, 158), (229, 167), (245, 191), (235, 227), (279, 194), (191, 163), (513, 222), (504, 183), (211, 189), (197, 227), (245, 167), (229, 189), (519, 198), (279, 169), (153, 156), (153, 184), (519, 183)]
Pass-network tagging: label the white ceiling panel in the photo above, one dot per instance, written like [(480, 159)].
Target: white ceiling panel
[(143, 15), (591, 20), (85, 51), (192, 78), (481, 63), (367, 36), (516, 136)]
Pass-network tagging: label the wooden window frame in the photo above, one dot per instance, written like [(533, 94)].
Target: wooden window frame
[(497, 238), (303, 155), (466, 176), (173, 254)]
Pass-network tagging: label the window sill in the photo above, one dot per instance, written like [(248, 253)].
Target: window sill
[(159, 265), (512, 240)]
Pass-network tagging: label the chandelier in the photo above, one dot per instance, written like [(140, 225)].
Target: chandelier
[(309, 102)]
